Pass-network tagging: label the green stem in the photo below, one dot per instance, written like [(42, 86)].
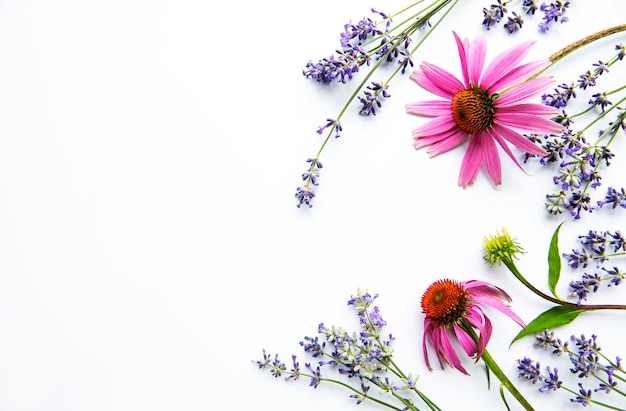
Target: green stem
[(424, 398), (376, 400), (492, 366), (594, 401), (495, 369), (589, 307), (607, 111)]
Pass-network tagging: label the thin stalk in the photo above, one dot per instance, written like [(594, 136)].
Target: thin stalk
[(556, 57), (492, 366), (497, 371), (376, 400), (588, 307), (585, 41), (594, 401)]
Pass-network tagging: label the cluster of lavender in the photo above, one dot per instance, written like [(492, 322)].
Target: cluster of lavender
[(598, 247), (371, 43), (361, 43), (579, 160), (363, 358), (588, 363), (552, 13)]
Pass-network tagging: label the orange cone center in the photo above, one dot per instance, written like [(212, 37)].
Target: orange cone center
[(444, 302), (472, 110)]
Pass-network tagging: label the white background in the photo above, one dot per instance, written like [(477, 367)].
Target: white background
[(150, 244)]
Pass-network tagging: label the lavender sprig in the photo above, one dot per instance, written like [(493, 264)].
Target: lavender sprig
[(598, 247), (371, 43), (587, 362), (363, 358), (497, 12), (581, 159)]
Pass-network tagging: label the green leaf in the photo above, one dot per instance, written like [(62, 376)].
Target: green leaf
[(552, 318), (506, 404), (554, 262)]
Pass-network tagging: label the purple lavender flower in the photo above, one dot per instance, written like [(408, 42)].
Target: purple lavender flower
[(561, 96), (584, 396), (587, 80), (600, 68), (528, 370), (530, 6), (553, 12), (614, 198), (334, 125), (304, 195), (295, 370), (579, 202), (621, 51), (277, 366), (313, 347), (547, 341), (342, 68), (615, 274), (601, 100), (360, 31), (316, 377), (493, 14), (371, 98), (609, 385), (514, 23), (588, 283), (551, 382)]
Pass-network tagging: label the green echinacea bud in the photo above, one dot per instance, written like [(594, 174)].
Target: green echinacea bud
[(501, 247)]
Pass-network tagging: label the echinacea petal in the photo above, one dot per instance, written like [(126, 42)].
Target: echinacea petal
[(475, 316), (428, 331), (523, 91), (462, 47), (476, 59), (491, 160), (484, 338), (448, 352), (504, 62), (500, 306), (518, 75), (517, 140), (442, 78), (420, 78), (507, 149), (527, 122), (530, 108), (481, 288), (479, 321), (425, 140), (430, 108), (454, 138), (435, 126), (467, 343), (471, 161), (493, 297)]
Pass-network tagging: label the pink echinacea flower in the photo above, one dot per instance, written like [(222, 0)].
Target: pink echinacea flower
[(452, 311), (487, 106)]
